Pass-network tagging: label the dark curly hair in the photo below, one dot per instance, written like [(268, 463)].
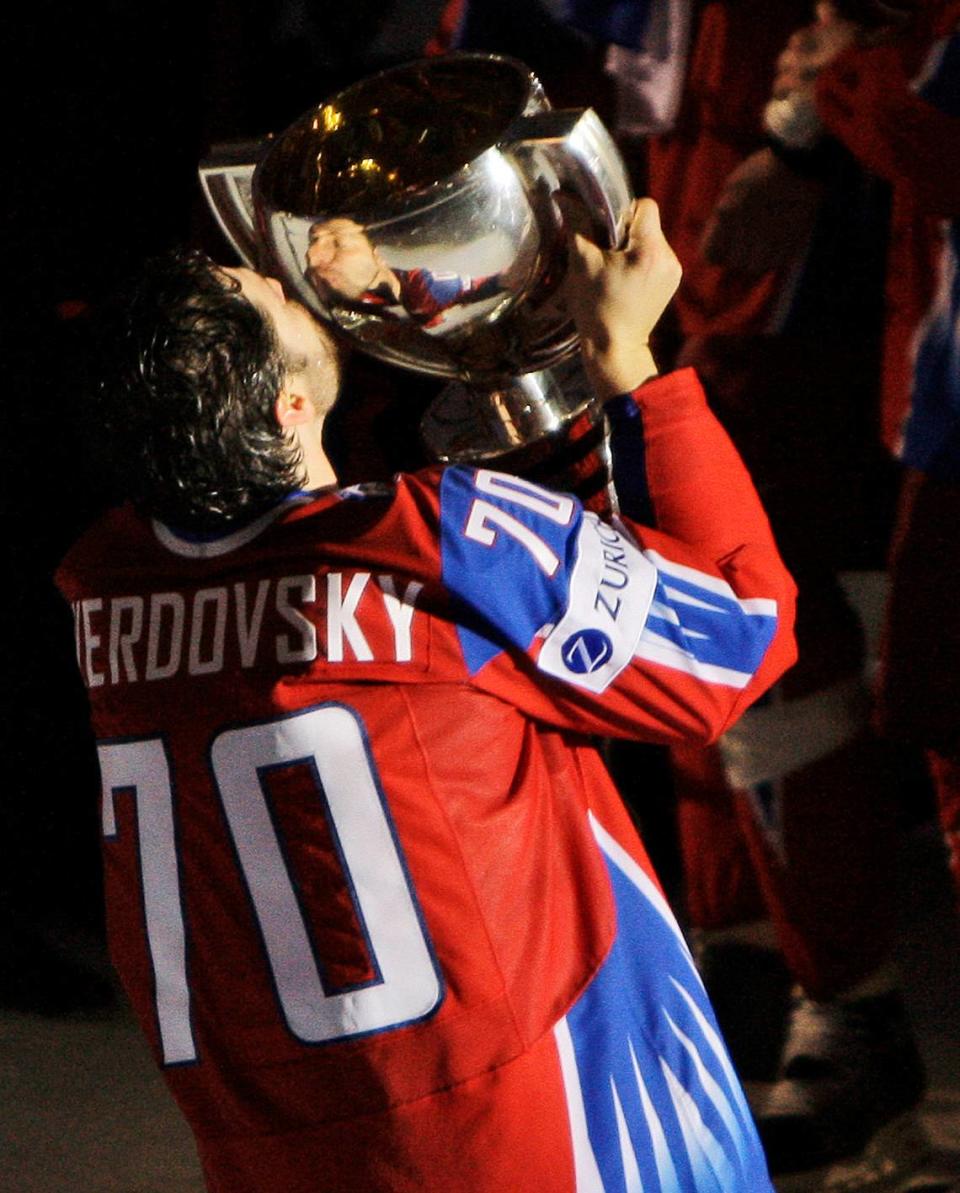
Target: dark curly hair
[(185, 406)]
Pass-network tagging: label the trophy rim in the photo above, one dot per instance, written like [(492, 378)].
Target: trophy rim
[(374, 211)]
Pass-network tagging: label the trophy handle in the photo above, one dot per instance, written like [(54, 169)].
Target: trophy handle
[(226, 176), (583, 155)]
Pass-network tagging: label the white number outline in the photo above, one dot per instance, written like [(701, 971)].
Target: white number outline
[(141, 767), (558, 507), (408, 985), (377, 876)]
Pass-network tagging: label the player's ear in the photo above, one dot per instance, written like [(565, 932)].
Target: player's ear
[(293, 409)]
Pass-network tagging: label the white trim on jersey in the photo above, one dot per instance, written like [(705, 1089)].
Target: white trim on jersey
[(655, 649), (586, 1172), (642, 880), (632, 1180), (666, 1170), (223, 544)]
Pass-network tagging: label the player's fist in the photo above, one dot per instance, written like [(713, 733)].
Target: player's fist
[(616, 297)]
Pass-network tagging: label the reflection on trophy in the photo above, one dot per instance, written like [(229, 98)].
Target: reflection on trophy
[(415, 212), (344, 267)]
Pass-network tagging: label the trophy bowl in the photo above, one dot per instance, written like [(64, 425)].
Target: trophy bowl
[(415, 212)]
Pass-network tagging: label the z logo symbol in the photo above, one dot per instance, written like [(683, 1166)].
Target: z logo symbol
[(586, 650)]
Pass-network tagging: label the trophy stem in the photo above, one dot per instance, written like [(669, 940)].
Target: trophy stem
[(546, 426)]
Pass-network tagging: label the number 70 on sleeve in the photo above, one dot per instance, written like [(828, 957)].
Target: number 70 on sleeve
[(485, 519)]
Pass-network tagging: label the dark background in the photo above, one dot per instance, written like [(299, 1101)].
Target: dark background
[(116, 105)]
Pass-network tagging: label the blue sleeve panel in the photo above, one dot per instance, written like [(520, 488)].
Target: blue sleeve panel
[(503, 593)]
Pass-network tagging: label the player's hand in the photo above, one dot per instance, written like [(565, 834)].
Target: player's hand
[(616, 297)]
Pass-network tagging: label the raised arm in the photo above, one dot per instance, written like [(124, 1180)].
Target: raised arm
[(664, 632)]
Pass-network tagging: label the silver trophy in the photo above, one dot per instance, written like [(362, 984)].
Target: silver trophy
[(416, 212)]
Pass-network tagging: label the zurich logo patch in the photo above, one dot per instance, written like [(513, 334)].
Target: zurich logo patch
[(586, 650)]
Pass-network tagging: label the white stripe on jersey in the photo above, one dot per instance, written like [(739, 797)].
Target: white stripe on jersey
[(761, 606), (586, 1172), (655, 649), (697, 624)]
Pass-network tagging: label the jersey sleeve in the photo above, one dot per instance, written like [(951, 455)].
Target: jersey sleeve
[(618, 628)]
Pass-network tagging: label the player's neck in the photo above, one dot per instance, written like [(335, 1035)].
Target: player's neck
[(318, 470)]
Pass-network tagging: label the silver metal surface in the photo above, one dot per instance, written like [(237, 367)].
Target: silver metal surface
[(415, 211), (526, 409)]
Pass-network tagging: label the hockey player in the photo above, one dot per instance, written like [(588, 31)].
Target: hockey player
[(373, 897)]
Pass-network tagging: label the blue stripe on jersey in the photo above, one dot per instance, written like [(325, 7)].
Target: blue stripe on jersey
[(628, 450), (504, 593), (697, 624), (932, 432), (655, 1104), (940, 84)]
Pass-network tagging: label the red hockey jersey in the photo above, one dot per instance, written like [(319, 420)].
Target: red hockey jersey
[(348, 778)]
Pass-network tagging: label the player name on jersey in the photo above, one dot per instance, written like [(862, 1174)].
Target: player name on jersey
[(334, 616)]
